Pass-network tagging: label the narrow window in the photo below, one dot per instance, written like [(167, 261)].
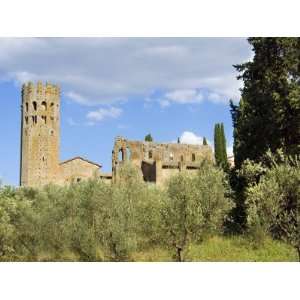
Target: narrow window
[(44, 118), (34, 119), (26, 106), (193, 157), (181, 158), (128, 153), (26, 120), (150, 154), (52, 107), (44, 105), (34, 104), (121, 155)]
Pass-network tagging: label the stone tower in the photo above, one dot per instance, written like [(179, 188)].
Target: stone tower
[(40, 132)]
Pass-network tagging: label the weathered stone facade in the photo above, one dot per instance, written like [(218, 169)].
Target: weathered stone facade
[(156, 162), (77, 169), (40, 135)]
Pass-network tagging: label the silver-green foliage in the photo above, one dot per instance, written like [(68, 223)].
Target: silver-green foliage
[(196, 206), (273, 203), (134, 214)]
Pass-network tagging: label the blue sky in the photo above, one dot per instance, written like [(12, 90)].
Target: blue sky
[(169, 87)]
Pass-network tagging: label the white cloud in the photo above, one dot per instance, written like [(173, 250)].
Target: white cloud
[(106, 70), (164, 103), (167, 51), (184, 96), (77, 98), (188, 137), (103, 113), (215, 97)]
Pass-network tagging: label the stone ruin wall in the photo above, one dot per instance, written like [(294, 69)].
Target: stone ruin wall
[(156, 162)]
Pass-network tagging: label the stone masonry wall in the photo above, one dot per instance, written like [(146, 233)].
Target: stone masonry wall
[(156, 162)]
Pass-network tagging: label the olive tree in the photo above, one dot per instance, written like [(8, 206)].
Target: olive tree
[(273, 203), (196, 206), (7, 229)]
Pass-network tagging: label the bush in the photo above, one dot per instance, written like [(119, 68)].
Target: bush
[(273, 204)]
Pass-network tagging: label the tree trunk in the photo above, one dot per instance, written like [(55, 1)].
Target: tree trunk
[(179, 250)]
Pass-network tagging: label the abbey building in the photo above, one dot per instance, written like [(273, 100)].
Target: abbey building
[(40, 150)]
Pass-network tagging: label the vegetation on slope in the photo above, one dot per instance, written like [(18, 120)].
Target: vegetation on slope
[(134, 221)]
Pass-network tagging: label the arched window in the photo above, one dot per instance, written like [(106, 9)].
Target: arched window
[(121, 155), (44, 105), (34, 104), (44, 118), (26, 120), (193, 157), (26, 104)]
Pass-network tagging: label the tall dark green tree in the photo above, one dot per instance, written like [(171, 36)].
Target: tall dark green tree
[(217, 143), (204, 141), (148, 138), (223, 145), (220, 145), (268, 115)]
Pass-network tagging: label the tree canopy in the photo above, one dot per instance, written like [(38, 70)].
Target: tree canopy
[(268, 115), (148, 138)]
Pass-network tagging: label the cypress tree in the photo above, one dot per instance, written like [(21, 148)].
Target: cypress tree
[(217, 143), (268, 115), (223, 146), (204, 141), (220, 145)]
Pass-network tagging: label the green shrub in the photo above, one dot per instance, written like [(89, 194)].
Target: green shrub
[(197, 206), (273, 204)]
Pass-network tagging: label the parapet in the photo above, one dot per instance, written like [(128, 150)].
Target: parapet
[(31, 89)]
